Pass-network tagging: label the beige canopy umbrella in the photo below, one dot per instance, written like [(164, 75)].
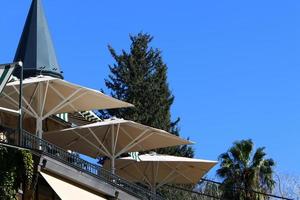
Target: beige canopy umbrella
[(44, 96), (156, 170), (112, 138)]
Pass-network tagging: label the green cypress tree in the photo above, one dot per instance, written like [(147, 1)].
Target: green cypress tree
[(140, 77)]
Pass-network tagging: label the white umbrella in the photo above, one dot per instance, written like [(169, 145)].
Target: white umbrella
[(112, 138), (157, 170), (44, 96)]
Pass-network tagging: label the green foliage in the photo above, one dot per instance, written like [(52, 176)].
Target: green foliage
[(211, 190), (203, 191), (16, 169), (170, 193), (140, 77), (244, 170)]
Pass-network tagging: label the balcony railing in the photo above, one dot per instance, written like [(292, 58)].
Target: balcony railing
[(32, 142)]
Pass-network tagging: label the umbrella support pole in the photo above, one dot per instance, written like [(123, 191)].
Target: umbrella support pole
[(39, 127), (39, 131), (153, 189), (113, 169)]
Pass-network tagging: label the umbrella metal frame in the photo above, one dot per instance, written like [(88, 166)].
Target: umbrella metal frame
[(112, 138), (42, 97), (113, 155), (66, 99), (152, 184)]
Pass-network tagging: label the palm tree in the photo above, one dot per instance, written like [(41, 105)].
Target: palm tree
[(244, 171)]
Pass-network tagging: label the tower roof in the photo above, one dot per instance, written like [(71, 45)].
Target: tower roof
[(36, 49)]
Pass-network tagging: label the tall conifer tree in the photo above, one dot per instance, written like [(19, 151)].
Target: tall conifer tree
[(140, 77)]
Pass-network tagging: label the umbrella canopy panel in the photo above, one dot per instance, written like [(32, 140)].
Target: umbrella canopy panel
[(112, 138), (44, 96), (156, 170)]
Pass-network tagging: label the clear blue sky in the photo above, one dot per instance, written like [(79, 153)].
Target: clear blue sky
[(234, 66)]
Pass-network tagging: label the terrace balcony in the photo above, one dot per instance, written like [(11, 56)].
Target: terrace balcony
[(70, 168)]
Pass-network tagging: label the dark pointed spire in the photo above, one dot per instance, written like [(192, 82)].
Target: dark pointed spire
[(36, 49)]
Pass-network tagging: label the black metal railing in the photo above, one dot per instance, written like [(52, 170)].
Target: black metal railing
[(32, 142)]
